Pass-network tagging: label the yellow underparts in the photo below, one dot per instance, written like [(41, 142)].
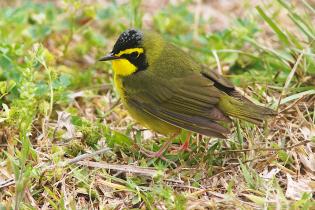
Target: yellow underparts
[(119, 87)]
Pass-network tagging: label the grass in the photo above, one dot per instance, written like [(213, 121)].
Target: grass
[(66, 142)]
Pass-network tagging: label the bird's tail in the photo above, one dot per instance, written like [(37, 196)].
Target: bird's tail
[(245, 110)]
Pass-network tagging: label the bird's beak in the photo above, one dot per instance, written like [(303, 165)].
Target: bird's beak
[(109, 57)]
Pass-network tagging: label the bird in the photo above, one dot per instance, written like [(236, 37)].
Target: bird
[(165, 89)]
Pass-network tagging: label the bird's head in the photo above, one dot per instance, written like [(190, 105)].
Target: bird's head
[(128, 54)]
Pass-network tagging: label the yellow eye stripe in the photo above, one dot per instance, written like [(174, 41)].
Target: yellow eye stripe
[(129, 51)]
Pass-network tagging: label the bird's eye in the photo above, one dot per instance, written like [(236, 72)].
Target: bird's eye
[(134, 55)]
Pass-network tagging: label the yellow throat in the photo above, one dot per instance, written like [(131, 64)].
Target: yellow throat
[(123, 67)]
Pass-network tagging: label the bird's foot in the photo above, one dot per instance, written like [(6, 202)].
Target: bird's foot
[(183, 147), (152, 154), (157, 154)]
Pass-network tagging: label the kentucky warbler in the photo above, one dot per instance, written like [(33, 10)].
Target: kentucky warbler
[(165, 89)]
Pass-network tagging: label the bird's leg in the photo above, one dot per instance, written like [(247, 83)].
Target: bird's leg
[(185, 146), (163, 148), (159, 153)]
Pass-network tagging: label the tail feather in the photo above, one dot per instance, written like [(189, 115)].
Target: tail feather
[(245, 110)]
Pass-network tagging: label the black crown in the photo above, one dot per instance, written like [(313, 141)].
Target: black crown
[(129, 39)]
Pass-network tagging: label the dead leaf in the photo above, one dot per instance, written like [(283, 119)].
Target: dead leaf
[(266, 174), (308, 158), (296, 189), (64, 121)]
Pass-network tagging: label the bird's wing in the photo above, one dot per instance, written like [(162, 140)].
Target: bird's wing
[(219, 81), (188, 102), (223, 84)]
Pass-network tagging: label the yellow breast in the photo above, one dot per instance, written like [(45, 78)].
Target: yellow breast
[(122, 68)]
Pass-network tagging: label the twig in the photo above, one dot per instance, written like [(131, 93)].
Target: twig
[(7, 183), (123, 168), (77, 159), (85, 156)]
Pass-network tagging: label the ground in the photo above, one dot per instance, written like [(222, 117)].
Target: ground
[(66, 141)]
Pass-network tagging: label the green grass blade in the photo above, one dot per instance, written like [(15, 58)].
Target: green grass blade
[(301, 23), (282, 36), (297, 96), (303, 26), (285, 59), (309, 6)]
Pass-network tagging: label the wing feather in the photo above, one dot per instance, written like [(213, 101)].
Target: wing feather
[(188, 102), (197, 124)]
